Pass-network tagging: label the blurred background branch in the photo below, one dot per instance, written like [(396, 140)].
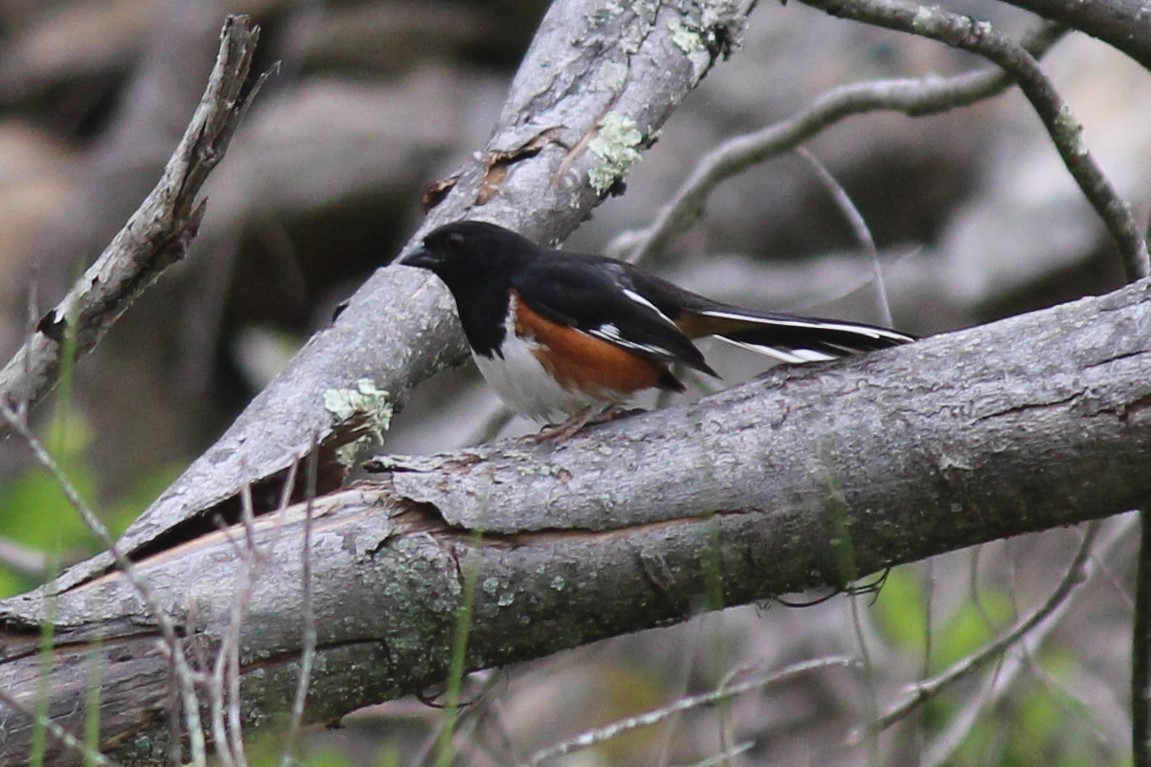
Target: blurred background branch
[(156, 236)]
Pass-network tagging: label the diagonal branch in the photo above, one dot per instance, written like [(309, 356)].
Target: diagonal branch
[(913, 97), (156, 236), (1065, 130), (1046, 614), (1124, 24), (592, 62)]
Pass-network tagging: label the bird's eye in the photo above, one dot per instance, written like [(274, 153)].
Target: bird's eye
[(455, 240)]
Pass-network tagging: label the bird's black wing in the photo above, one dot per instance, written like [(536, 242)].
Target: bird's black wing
[(597, 296)]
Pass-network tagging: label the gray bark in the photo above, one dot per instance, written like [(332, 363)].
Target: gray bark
[(809, 476), (588, 60), (1124, 24)]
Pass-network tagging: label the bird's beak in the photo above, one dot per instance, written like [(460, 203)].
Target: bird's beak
[(422, 258)]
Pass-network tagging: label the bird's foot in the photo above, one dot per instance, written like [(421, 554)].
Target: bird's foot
[(583, 418)]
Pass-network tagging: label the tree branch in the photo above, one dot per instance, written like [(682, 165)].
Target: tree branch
[(543, 170), (1030, 423), (1046, 615), (1123, 24), (1065, 130), (913, 97), (156, 236)]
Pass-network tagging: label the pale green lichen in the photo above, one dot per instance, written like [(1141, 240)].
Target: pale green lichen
[(722, 13), (367, 407), (924, 18), (633, 18), (687, 37), (613, 76), (702, 25), (1070, 131), (615, 145)]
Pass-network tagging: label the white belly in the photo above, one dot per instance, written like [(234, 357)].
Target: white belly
[(526, 387)]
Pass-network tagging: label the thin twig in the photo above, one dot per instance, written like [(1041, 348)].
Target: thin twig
[(726, 756), (1140, 693), (1019, 658), (308, 642), (867, 668), (467, 714), (1141, 649), (599, 735), (91, 756), (1066, 132), (1122, 24), (941, 750), (217, 704), (186, 677), (689, 655), (496, 723), (1073, 703), (859, 227), (156, 236), (913, 97), (1074, 576), (224, 687)]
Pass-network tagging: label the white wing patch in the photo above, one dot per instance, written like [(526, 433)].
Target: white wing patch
[(794, 356), (859, 330), (637, 298), (610, 332)]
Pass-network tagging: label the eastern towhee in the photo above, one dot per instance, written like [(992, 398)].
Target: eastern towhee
[(569, 335)]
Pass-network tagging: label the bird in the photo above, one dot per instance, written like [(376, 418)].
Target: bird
[(567, 338)]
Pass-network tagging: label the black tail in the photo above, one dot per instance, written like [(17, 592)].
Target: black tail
[(797, 339)]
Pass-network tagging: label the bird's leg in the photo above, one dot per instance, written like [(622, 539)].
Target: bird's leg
[(582, 418)]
